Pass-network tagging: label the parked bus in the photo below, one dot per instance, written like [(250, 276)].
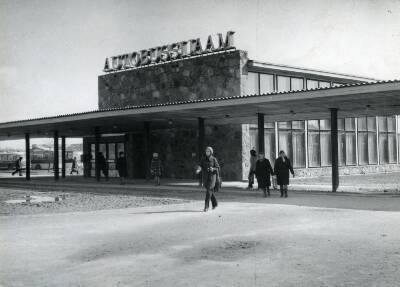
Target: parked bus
[(42, 157), (8, 160)]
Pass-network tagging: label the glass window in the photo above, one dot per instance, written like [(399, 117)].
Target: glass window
[(120, 147), (313, 125), (298, 125), (392, 156), (284, 125), (325, 124), (383, 127), (311, 84), (372, 148), (269, 125), (285, 142), (362, 124), (254, 138), (342, 148), (363, 148), (111, 151), (391, 124), (383, 148), (298, 145), (266, 83), (326, 156), (313, 149), (292, 141), (324, 84), (336, 85), (296, 84), (371, 123), (350, 124), (283, 84), (252, 84), (350, 148), (269, 141), (103, 149), (341, 124)]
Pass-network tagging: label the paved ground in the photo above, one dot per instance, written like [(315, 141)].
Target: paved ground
[(382, 182), (246, 241)]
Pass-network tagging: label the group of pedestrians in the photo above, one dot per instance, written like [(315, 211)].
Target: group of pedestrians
[(261, 168)]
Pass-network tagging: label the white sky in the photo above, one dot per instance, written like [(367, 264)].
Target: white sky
[(51, 52)]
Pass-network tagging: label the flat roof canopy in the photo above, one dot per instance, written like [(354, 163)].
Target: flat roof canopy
[(380, 98)]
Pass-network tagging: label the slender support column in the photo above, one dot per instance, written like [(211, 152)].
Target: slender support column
[(261, 140), (334, 150), (63, 156), (147, 151), (96, 153), (27, 157), (55, 157), (200, 143)]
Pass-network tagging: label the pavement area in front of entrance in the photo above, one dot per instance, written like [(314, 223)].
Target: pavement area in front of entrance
[(367, 183)]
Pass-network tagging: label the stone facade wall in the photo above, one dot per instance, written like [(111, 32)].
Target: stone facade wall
[(177, 148), (209, 76)]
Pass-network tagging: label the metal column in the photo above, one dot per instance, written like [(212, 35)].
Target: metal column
[(200, 143), (334, 150), (261, 140), (147, 152), (27, 157), (63, 156), (55, 157), (96, 153)]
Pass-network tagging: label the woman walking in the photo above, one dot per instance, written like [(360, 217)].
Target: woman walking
[(281, 169), (209, 167), (263, 172)]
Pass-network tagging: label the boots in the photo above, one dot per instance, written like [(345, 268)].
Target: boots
[(281, 191), (286, 192)]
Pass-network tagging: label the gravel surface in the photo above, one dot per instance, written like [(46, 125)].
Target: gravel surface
[(74, 201)]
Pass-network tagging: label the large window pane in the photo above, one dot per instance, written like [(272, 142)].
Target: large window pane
[(324, 84), (311, 84), (383, 127), (342, 148), (383, 148), (298, 125), (362, 124), (363, 148), (283, 84), (111, 151), (269, 140), (285, 142), (313, 149), (350, 148), (297, 84), (340, 124), (253, 139), (372, 149), (392, 148), (313, 125), (298, 145), (325, 124), (326, 156), (284, 125), (371, 124), (266, 83), (252, 84), (391, 121), (350, 124)]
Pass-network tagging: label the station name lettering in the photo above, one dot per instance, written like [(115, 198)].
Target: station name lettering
[(170, 52)]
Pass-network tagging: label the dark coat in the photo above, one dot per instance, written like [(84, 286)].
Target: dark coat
[(281, 169), (209, 177), (263, 173), (121, 166)]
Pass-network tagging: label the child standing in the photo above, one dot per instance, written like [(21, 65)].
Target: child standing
[(155, 168)]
